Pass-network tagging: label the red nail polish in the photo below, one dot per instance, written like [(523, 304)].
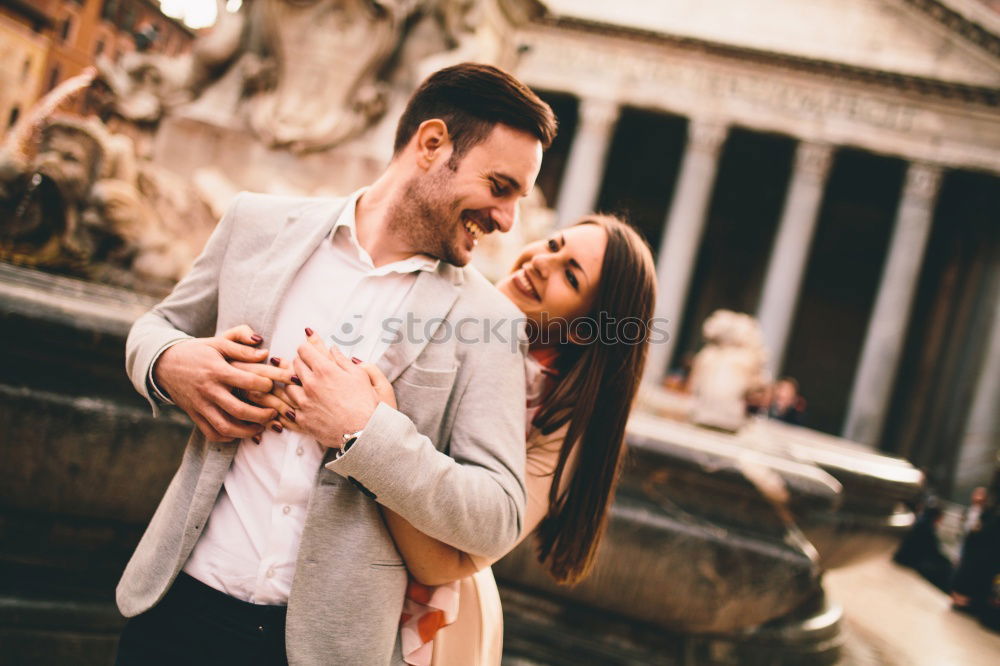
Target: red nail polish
[(276, 427), (296, 380), (355, 360), (290, 415), (275, 361), (309, 332), (256, 439), (256, 339)]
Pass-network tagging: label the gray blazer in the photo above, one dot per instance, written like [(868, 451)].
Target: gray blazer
[(466, 399)]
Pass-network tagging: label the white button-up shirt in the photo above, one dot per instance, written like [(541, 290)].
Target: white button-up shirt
[(251, 540)]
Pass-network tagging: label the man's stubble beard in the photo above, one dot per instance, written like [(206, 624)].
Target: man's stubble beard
[(425, 216)]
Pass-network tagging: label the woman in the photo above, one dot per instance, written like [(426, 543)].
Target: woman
[(588, 293), (582, 378)]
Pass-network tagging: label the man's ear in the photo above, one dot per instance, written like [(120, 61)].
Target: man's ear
[(432, 142)]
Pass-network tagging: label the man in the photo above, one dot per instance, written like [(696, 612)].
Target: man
[(274, 544), (788, 405)]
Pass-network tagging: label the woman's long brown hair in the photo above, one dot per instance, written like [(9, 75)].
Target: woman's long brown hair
[(598, 382)]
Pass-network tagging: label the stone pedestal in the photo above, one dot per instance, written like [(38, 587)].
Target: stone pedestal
[(543, 632), (715, 549), (83, 465)]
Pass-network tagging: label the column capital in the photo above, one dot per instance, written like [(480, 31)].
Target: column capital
[(706, 136), (598, 112), (922, 183), (813, 159)]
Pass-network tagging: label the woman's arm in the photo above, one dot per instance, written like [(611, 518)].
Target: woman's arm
[(432, 562)]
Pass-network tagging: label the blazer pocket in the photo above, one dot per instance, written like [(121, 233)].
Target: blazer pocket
[(427, 378), (387, 564)]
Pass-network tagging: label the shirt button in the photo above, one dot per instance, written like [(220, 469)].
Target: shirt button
[(286, 510), (299, 451), (270, 572)]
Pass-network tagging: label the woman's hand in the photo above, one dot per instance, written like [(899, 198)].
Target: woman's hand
[(379, 382), (331, 395), (279, 371)]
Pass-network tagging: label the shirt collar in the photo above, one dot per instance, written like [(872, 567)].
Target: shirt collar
[(344, 235)]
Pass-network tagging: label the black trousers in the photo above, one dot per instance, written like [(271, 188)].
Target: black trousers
[(197, 624)]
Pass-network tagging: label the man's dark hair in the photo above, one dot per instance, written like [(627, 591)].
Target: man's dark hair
[(472, 99)]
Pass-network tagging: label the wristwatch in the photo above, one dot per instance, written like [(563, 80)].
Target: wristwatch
[(349, 439)]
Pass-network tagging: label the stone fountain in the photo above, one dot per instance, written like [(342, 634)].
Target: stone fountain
[(720, 533)]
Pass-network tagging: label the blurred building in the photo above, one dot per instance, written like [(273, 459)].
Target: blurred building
[(44, 42), (828, 165)]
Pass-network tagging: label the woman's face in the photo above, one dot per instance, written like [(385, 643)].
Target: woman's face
[(555, 279)]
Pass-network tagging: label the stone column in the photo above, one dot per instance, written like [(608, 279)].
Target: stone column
[(685, 225), (792, 245), (883, 344), (581, 183), (980, 445)]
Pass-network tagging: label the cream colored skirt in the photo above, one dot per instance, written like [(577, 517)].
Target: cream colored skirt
[(476, 637)]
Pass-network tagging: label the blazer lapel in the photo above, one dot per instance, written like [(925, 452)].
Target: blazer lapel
[(302, 233), (430, 299)]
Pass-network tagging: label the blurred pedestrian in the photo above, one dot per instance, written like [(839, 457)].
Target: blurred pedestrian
[(972, 515), (787, 404), (974, 587), (920, 549)]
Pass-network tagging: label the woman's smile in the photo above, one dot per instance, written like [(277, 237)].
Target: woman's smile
[(523, 282)]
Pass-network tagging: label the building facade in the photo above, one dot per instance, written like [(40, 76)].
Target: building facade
[(44, 42), (830, 167)]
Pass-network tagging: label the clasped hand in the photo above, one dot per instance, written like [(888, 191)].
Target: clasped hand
[(321, 392), (206, 376)]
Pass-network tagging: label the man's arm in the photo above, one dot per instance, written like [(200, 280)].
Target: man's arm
[(473, 499), (195, 372), (433, 562)]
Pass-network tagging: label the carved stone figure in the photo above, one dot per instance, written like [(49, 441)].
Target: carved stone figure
[(301, 75), (74, 199), (326, 54), (731, 363)]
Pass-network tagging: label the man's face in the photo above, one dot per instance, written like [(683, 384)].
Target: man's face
[(444, 211)]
